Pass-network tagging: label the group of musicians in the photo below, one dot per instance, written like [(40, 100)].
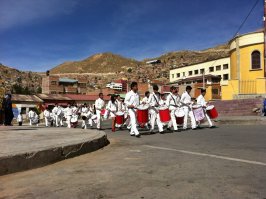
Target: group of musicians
[(128, 108)]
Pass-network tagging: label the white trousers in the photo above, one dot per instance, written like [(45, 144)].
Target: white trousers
[(46, 121), (208, 118), (173, 120), (68, 118), (133, 120), (155, 117), (99, 118), (192, 118)]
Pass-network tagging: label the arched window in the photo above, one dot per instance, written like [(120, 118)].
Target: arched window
[(255, 60)]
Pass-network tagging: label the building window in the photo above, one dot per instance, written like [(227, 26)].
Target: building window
[(53, 92), (196, 72), (53, 83), (173, 76), (255, 60), (177, 75), (215, 91), (218, 68), (225, 77), (225, 66), (184, 74), (190, 73), (202, 71), (211, 69)]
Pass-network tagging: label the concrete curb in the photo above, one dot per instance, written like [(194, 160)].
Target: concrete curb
[(35, 159), (242, 121)]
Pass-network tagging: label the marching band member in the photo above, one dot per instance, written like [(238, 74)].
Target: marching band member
[(84, 115), (60, 115), (99, 105), (146, 98), (56, 117), (112, 109), (201, 101), (187, 106), (91, 115), (120, 108), (132, 102), (31, 115), (68, 115), (172, 101), (46, 114), (153, 101)]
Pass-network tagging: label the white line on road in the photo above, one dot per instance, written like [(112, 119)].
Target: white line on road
[(208, 155)]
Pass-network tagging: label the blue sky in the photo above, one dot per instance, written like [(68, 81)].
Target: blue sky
[(40, 34)]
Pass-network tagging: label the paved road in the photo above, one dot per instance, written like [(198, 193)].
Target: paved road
[(226, 162)]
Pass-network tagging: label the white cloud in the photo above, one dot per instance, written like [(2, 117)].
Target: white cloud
[(23, 12)]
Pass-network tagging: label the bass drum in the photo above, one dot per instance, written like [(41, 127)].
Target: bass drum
[(143, 114), (179, 114), (164, 114), (212, 112), (119, 118)]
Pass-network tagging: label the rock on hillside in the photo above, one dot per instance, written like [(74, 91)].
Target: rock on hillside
[(99, 63), (11, 78)]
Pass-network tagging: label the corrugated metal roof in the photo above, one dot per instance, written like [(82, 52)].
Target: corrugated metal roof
[(68, 80), (54, 97), (26, 98)]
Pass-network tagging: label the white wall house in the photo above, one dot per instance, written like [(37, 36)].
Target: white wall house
[(218, 67)]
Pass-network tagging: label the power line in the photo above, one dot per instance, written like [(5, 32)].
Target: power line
[(242, 24)]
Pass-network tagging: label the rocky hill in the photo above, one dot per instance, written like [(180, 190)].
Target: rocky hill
[(184, 58), (21, 82), (99, 63)]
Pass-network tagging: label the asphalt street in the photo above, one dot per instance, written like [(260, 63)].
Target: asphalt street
[(225, 162)]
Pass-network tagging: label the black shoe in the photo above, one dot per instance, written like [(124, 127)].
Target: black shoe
[(162, 132), (212, 127), (168, 129), (177, 131), (194, 129), (199, 127), (137, 136)]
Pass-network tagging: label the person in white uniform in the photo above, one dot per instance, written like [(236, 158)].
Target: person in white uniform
[(84, 115), (132, 102), (202, 102), (187, 107), (154, 102), (99, 105), (55, 113), (112, 110), (46, 114), (31, 115), (68, 114), (172, 101), (120, 108)]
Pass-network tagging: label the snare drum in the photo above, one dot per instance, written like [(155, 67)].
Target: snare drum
[(142, 114), (119, 118), (199, 114), (179, 114), (103, 112), (212, 112), (164, 114)]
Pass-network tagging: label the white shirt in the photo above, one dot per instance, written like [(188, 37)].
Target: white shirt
[(172, 100), (19, 119), (32, 114), (154, 100), (99, 104), (84, 110), (201, 101), (185, 98), (145, 100), (46, 113), (112, 106), (55, 110), (120, 106), (132, 98), (68, 111)]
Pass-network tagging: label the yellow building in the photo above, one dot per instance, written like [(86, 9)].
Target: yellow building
[(247, 70)]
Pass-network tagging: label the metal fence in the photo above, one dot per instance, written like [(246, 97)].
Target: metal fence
[(247, 87)]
